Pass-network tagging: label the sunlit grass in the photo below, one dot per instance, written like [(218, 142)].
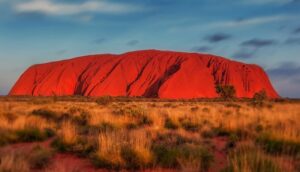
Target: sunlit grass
[(136, 135)]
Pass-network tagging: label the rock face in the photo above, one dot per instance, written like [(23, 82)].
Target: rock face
[(148, 73)]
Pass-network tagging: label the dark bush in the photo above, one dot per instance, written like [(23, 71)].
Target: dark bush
[(197, 153), (169, 105), (249, 159), (276, 146), (45, 113), (259, 99), (233, 139), (64, 117), (260, 96), (144, 120), (30, 135), (82, 119), (207, 134), (132, 159), (205, 110), (102, 162), (226, 91), (60, 146), (194, 109), (189, 125), (131, 125), (104, 100), (170, 124), (220, 131), (49, 132), (84, 147), (233, 105), (259, 128), (10, 117), (106, 126), (172, 139), (166, 156), (7, 136), (39, 157)]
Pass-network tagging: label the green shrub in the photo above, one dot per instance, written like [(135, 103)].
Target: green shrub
[(205, 110), (144, 120), (30, 135), (260, 99), (120, 111), (260, 96), (233, 105), (193, 152), (39, 157), (276, 146), (49, 132), (7, 136), (233, 139), (131, 111), (45, 113), (226, 91), (131, 125), (207, 133), (220, 131), (84, 147), (172, 139), (170, 124), (168, 156), (250, 159), (64, 117), (189, 125), (102, 162), (59, 145), (104, 100), (106, 126), (194, 109), (132, 158), (138, 113), (82, 119), (259, 128)]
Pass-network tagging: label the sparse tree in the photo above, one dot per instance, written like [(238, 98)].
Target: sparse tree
[(259, 98), (226, 91)]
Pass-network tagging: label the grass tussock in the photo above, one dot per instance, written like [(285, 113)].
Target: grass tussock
[(129, 149), (249, 158), (14, 161)]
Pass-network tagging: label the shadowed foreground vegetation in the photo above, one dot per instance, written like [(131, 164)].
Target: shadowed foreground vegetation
[(150, 134)]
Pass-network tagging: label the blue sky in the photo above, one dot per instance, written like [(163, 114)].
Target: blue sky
[(266, 32)]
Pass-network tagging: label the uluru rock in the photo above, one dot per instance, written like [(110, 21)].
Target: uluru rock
[(147, 73)]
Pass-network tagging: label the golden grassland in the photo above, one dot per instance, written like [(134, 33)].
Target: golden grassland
[(138, 135)]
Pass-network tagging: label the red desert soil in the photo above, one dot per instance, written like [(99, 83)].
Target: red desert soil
[(220, 156), (147, 73), (60, 162), (63, 162)]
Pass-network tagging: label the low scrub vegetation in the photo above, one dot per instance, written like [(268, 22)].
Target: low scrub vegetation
[(125, 134), (252, 159)]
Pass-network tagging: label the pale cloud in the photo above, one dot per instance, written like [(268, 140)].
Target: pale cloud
[(55, 8), (251, 21), (259, 20)]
